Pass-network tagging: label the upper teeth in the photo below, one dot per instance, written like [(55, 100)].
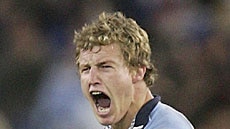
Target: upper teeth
[(96, 92)]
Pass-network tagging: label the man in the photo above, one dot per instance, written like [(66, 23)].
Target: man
[(113, 60)]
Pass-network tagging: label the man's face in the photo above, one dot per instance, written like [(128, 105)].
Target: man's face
[(106, 82)]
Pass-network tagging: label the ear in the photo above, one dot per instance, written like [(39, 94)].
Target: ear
[(139, 74)]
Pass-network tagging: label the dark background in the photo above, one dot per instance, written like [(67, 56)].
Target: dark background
[(39, 88)]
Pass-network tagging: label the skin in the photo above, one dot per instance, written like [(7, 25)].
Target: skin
[(106, 71)]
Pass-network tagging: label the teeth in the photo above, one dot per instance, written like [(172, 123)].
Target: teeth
[(102, 110), (96, 93)]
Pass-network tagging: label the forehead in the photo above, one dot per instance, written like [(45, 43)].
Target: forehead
[(111, 51)]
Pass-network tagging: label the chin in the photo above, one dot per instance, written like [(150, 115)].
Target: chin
[(104, 121)]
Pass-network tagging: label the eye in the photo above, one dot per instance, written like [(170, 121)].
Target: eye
[(85, 69), (106, 66)]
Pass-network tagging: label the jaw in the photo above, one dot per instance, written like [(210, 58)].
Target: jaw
[(115, 118), (114, 114)]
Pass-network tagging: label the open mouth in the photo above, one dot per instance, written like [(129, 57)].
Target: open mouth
[(101, 100)]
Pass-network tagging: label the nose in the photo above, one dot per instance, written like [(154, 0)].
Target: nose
[(94, 76)]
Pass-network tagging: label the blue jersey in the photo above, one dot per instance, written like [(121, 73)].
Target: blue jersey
[(157, 115)]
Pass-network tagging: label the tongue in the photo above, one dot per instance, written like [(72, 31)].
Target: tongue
[(104, 102)]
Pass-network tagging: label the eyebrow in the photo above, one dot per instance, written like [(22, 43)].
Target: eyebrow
[(97, 64), (102, 63)]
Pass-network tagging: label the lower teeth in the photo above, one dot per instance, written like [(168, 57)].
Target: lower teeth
[(102, 109)]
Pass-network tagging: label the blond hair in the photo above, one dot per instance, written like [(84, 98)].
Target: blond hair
[(116, 28)]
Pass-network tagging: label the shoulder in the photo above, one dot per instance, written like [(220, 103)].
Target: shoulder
[(165, 117)]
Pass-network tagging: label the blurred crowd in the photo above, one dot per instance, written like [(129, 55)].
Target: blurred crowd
[(39, 87)]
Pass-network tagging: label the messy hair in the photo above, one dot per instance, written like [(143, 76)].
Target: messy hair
[(116, 28)]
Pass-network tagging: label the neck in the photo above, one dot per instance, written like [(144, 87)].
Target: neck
[(136, 105), (124, 123)]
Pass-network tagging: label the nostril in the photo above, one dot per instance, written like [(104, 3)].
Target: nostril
[(93, 84)]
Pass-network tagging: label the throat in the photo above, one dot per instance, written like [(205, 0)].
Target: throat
[(127, 122)]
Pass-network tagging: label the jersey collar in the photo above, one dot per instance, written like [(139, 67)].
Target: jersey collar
[(142, 116)]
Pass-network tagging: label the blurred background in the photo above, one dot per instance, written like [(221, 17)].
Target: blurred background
[(39, 88)]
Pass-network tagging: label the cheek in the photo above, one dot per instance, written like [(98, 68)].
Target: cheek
[(123, 86), (84, 87)]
